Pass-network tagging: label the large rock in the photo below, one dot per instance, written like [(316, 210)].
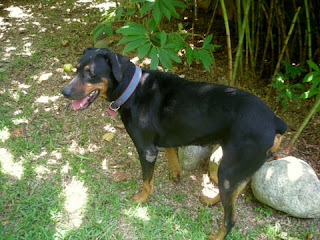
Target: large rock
[(190, 157), (289, 185)]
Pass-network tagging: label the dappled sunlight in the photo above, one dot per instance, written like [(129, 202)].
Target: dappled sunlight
[(77, 149), (109, 128), (138, 212), (209, 189), (294, 171), (65, 169), (47, 99), (42, 171), (4, 134), (43, 76), (27, 49), (9, 166), (20, 121), (76, 199), (101, 6), (104, 165), (18, 12)]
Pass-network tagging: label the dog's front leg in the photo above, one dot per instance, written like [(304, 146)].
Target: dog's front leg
[(148, 158)]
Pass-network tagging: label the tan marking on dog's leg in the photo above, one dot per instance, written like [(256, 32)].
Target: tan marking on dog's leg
[(223, 229), (276, 143), (175, 168), (147, 189)]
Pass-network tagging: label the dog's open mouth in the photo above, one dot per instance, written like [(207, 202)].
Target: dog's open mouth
[(85, 102)]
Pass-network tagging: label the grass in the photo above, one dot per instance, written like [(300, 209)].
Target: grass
[(56, 171)]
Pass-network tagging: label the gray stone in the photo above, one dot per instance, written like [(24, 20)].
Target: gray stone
[(289, 185), (190, 157)]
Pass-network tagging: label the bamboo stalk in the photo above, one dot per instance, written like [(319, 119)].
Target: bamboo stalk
[(194, 19), (239, 50), (257, 41), (269, 33), (286, 41), (283, 28), (299, 35), (238, 4), (249, 47), (212, 18), (308, 29), (226, 23), (303, 124)]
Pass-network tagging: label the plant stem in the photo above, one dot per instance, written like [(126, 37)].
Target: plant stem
[(286, 41), (304, 123), (308, 29), (212, 18), (226, 23), (269, 33), (241, 36)]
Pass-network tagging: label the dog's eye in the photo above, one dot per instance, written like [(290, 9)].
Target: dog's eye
[(90, 71)]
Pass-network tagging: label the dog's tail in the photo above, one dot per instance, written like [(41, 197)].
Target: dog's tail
[(281, 126)]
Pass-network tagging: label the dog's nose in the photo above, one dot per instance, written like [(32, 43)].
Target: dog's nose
[(66, 91)]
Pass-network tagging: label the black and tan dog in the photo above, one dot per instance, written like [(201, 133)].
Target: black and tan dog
[(160, 109)]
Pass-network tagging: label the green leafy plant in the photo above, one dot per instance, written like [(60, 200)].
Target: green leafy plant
[(282, 82), (148, 39), (160, 8), (312, 78), (162, 47)]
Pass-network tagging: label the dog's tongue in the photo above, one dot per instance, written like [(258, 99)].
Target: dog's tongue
[(77, 104)]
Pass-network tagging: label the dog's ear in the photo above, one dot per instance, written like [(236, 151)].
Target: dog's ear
[(118, 63)]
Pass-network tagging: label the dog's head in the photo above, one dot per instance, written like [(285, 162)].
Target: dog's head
[(98, 71)]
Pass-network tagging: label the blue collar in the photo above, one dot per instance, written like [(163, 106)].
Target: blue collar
[(115, 105)]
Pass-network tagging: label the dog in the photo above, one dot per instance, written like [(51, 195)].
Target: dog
[(159, 109)]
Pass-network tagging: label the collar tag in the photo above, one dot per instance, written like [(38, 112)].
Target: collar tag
[(111, 112)]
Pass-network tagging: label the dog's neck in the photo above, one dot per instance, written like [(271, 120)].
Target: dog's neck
[(126, 88)]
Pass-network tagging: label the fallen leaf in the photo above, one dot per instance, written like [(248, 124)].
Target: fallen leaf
[(119, 176), (108, 136), (17, 132)]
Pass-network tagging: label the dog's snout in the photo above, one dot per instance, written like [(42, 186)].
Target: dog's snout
[(66, 91)]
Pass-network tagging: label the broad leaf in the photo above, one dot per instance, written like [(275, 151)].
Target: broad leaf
[(310, 77), (146, 7), (144, 50), (309, 94), (131, 38), (163, 38), (154, 58), (134, 44), (205, 59), (157, 13), (313, 65), (164, 59)]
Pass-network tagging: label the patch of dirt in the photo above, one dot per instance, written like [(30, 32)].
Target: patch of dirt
[(31, 36)]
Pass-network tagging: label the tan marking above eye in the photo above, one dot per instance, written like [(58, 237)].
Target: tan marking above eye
[(87, 67)]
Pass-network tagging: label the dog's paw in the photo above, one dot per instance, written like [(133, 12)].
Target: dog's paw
[(213, 236), (175, 176), (140, 197)]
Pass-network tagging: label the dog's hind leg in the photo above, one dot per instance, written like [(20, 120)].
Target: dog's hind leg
[(237, 166), (175, 168), (148, 158)]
